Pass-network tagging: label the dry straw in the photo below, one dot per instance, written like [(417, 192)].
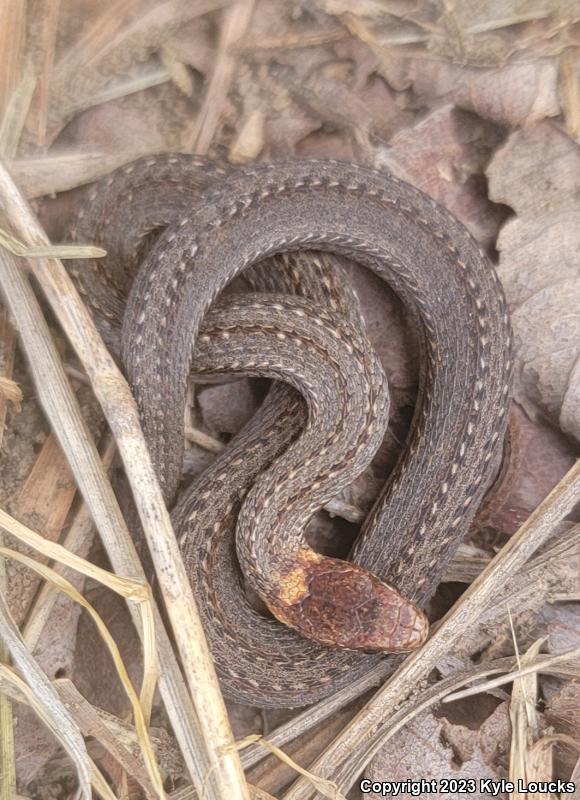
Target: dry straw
[(135, 591), (203, 729)]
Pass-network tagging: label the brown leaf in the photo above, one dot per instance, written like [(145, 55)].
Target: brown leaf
[(124, 34), (563, 714), (155, 120), (516, 94), (443, 155), (540, 457), (424, 749), (536, 171)]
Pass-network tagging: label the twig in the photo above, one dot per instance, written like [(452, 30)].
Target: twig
[(12, 39), (53, 711), (42, 175), (201, 734), (349, 753), (543, 664), (7, 761), (235, 21), (41, 45), (93, 722)]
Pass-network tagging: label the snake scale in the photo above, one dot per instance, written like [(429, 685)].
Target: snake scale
[(179, 230)]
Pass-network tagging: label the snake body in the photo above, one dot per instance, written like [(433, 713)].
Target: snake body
[(453, 295)]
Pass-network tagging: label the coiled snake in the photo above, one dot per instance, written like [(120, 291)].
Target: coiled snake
[(207, 226)]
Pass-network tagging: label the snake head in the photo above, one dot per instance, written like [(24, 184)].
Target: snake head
[(342, 605)]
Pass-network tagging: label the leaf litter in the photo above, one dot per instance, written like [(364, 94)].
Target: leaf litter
[(476, 104)]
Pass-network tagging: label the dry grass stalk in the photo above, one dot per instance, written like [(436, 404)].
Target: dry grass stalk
[(12, 685), (7, 760), (7, 350), (12, 37), (446, 689), (40, 693), (13, 245), (204, 440), (524, 719), (531, 754), (352, 750), (235, 21), (42, 43), (13, 119), (291, 41), (50, 174), (324, 787), (127, 86), (138, 591), (202, 734), (141, 706), (442, 691), (93, 722), (542, 664), (569, 72)]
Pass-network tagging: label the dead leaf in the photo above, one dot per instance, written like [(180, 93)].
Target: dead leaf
[(443, 155), (562, 713), (540, 457), (537, 172), (122, 35), (516, 94), (423, 750)]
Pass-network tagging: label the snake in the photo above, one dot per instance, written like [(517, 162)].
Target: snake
[(204, 226)]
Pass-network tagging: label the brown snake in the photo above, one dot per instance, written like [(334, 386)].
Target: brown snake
[(453, 295)]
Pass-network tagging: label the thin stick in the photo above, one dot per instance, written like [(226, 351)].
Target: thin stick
[(7, 761), (205, 735), (12, 43), (544, 664), (349, 753), (235, 21), (54, 713)]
